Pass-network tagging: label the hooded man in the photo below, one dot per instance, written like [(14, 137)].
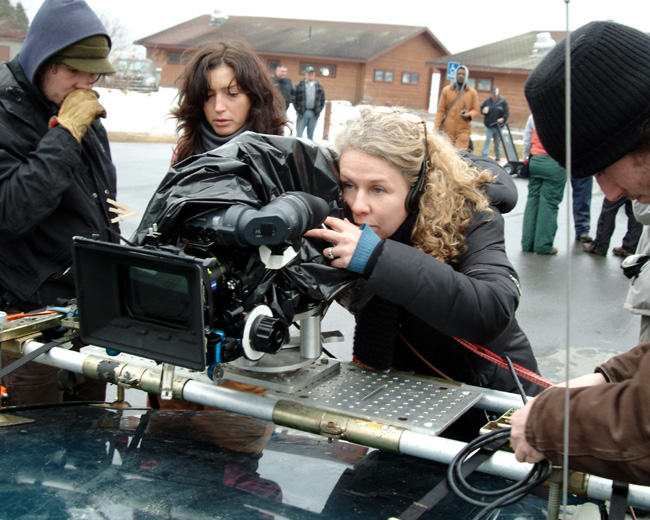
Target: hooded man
[(457, 106), (56, 172)]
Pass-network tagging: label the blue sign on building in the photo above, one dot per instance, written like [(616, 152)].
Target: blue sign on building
[(451, 70)]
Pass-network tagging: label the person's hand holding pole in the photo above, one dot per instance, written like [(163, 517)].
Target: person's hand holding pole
[(524, 452)]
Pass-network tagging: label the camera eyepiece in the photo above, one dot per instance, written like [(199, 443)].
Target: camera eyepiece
[(285, 218)]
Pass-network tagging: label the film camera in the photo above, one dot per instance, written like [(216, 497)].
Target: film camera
[(192, 303)]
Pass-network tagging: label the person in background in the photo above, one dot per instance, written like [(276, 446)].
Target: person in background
[(606, 225), (56, 176), (546, 183), (581, 194), (414, 201), (496, 112), (283, 84), (607, 410), (309, 100), (457, 106), (224, 91), (635, 267)]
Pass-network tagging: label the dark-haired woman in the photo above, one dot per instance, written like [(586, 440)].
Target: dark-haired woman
[(224, 91)]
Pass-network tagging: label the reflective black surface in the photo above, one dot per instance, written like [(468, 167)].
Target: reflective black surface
[(87, 463)]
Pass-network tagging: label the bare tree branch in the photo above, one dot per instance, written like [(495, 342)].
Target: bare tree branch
[(120, 34)]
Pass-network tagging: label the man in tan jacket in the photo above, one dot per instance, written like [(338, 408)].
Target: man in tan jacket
[(457, 106)]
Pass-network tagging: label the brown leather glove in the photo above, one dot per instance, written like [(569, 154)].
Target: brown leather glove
[(78, 110)]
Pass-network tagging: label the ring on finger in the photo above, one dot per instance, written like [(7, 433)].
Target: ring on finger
[(331, 253)]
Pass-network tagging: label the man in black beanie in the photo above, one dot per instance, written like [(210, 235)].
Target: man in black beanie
[(609, 418), (56, 172)]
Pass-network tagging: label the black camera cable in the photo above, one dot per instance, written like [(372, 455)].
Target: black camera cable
[(492, 441), (508, 495), (470, 458)]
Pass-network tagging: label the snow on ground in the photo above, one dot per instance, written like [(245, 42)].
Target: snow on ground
[(136, 112), (148, 113), (140, 113)]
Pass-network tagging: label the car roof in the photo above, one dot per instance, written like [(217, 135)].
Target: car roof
[(209, 464)]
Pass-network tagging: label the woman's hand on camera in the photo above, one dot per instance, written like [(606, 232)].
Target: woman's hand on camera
[(343, 237)]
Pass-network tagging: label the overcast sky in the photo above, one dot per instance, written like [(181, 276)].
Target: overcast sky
[(458, 25)]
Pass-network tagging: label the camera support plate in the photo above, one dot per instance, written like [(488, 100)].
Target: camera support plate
[(425, 405)]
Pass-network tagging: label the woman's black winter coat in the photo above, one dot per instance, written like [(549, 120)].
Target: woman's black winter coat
[(474, 299)]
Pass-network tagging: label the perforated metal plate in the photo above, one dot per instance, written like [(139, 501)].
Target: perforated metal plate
[(422, 405)]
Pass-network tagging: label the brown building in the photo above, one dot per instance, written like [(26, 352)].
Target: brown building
[(11, 39), (360, 63), (505, 64)]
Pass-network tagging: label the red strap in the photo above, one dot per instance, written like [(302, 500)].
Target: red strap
[(492, 357)]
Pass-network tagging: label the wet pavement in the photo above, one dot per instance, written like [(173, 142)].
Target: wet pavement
[(570, 299)]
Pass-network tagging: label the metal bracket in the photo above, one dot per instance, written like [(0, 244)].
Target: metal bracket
[(167, 382)]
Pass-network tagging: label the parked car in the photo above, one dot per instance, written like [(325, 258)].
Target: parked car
[(75, 462), (133, 74)]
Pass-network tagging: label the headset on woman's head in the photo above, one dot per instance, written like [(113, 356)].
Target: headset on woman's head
[(413, 197)]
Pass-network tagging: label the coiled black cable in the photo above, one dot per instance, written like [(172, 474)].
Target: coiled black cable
[(508, 495), (492, 441)]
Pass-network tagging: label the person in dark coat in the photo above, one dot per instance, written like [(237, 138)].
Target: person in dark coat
[(432, 253), (308, 100), (496, 112), (283, 84), (56, 173)]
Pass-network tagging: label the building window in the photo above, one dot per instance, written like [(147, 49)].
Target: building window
[(273, 64), (410, 78), (177, 57), (384, 76), (483, 83), (323, 70)]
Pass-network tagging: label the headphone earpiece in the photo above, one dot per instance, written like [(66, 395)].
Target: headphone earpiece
[(413, 197)]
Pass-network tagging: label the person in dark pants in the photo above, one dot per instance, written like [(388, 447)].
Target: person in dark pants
[(283, 84), (495, 110), (581, 189), (308, 100), (606, 225)]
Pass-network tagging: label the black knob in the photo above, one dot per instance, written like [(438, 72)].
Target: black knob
[(267, 334)]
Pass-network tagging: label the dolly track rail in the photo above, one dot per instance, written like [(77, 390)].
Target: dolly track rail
[(439, 449)]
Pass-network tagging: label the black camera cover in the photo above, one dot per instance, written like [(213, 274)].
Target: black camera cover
[(253, 169)]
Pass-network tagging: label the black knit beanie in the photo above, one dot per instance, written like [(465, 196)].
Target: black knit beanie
[(610, 96)]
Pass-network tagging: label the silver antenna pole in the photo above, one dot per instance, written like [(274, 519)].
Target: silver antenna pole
[(567, 136)]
